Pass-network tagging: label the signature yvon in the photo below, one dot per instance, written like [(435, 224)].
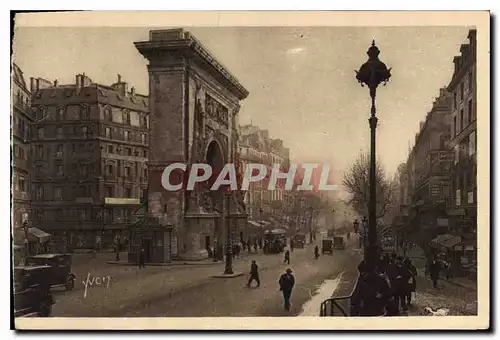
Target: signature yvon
[(95, 281)]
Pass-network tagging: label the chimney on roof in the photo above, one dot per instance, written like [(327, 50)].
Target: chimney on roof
[(55, 83), (456, 61), (32, 85), (132, 91), (121, 87)]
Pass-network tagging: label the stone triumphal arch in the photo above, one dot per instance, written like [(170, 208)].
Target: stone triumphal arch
[(194, 105)]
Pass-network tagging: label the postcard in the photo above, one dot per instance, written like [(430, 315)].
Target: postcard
[(250, 170)]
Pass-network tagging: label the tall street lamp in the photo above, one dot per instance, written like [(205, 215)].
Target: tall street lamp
[(372, 73)]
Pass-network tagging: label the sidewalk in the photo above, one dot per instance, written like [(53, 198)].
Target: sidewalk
[(459, 299)]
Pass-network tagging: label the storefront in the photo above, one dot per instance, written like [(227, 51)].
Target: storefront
[(155, 238)]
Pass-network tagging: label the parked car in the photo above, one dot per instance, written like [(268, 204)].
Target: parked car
[(32, 297), (60, 268), (338, 243), (327, 246)]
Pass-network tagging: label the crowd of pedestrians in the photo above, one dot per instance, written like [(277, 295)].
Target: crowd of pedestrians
[(387, 290)]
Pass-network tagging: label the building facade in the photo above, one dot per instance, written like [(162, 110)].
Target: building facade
[(21, 161), (463, 142), (256, 146), (90, 148), (438, 183)]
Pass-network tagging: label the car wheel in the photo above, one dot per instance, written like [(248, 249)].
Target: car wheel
[(45, 309), (70, 283)]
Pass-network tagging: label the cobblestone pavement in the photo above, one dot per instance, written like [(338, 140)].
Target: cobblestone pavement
[(191, 290)]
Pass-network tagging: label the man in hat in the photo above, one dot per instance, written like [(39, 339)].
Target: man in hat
[(286, 282), (254, 274)]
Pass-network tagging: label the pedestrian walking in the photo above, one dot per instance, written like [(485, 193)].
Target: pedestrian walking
[(287, 257), (371, 294), (316, 252), (286, 282), (142, 259), (254, 274), (291, 245), (434, 270), (412, 282), (249, 245)]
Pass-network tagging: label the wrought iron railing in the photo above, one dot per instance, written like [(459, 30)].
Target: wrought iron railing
[(341, 303)]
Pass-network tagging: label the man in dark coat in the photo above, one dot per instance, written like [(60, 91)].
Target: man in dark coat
[(434, 270), (412, 282), (287, 257), (286, 282), (371, 293), (316, 252), (142, 259), (254, 274)]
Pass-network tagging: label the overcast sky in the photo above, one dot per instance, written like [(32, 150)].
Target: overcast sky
[(301, 80)]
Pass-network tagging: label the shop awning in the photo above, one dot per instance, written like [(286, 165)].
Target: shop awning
[(257, 224), (41, 235), (452, 242), (264, 222)]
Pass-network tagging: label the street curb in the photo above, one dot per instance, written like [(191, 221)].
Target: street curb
[(228, 276), (164, 264), (451, 282)]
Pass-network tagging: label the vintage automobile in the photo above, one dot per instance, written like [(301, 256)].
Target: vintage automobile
[(299, 241), (327, 246), (60, 272), (32, 297), (338, 243)]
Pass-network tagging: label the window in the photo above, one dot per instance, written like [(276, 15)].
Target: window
[(145, 154), (109, 191), (128, 151), (40, 133), (128, 192), (472, 143), (108, 132), (469, 110), (127, 171), (21, 184), (57, 193), (461, 119), (108, 115), (59, 132), (455, 126), (84, 170), (85, 131), (60, 113), (60, 171), (38, 215), (126, 118), (84, 112), (143, 194), (110, 149), (144, 121), (38, 170), (462, 91), (143, 138), (470, 80), (109, 169), (39, 193), (126, 135)]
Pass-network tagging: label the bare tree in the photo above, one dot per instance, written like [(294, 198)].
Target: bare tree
[(356, 181)]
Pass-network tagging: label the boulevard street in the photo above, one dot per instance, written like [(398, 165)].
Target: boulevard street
[(192, 291)]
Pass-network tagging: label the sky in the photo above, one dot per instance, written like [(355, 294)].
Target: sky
[(301, 80)]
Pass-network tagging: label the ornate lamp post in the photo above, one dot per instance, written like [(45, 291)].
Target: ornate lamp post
[(310, 210), (372, 73)]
